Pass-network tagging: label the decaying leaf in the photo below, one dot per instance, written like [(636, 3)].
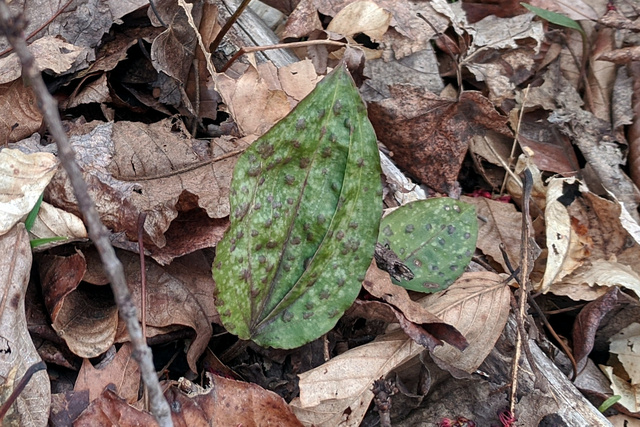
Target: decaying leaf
[(17, 352), (429, 135), (157, 169), (435, 238), (86, 317), (306, 204), (226, 402), (122, 371)]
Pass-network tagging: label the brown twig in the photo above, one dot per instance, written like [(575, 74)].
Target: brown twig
[(525, 267), (37, 30), (143, 274), (250, 49), (216, 42), (21, 385), (13, 28)]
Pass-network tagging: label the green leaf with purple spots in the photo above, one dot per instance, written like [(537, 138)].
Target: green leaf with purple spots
[(435, 238), (305, 212)]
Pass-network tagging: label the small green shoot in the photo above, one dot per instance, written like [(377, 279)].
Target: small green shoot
[(31, 218), (609, 403), (554, 17), (39, 242)]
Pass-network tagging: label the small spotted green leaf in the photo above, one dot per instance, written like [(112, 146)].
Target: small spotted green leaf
[(435, 238), (305, 212)]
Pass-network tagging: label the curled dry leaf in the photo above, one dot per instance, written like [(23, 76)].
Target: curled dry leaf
[(54, 222), (378, 283), (86, 317), (122, 371), (605, 251), (361, 17), (226, 403), (51, 53), (477, 305), (17, 352), (588, 321), (23, 178)]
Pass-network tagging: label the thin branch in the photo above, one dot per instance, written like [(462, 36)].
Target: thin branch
[(41, 27), (13, 28), (306, 43)]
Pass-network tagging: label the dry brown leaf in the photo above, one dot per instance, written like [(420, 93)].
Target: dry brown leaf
[(429, 135), (122, 371), (178, 295), (498, 224), (612, 251), (86, 317), (21, 116), (85, 24), (17, 352), (335, 393), (624, 55), (226, 403), (23, 178), (601, 75), (133, 168), (97, 91)]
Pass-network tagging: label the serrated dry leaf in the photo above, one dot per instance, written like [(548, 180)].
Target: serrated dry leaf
[(23, 178), (122, 371), (477, 304), (17, 352)]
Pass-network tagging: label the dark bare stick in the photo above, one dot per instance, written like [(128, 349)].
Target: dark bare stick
[(21, 385), (13, 29)]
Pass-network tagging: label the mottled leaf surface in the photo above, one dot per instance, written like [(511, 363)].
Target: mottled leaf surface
[(305, 210), (435, 238)]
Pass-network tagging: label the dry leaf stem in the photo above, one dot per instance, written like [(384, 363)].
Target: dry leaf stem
[(13, 28), (525, 268)]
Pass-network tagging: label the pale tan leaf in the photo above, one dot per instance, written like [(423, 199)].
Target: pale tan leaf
[(630, 394), (558, 233), (51, 53), (54, 222), (17, 352), (477, 304), (23, 178), (498, 223), (361, 17), (626, 345)]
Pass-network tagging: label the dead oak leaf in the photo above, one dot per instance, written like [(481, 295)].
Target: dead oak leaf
[(429, 135)]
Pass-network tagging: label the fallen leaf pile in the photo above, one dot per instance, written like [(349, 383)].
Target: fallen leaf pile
[(463, 97)]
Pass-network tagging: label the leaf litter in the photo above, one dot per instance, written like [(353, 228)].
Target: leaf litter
[(152, 136)]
